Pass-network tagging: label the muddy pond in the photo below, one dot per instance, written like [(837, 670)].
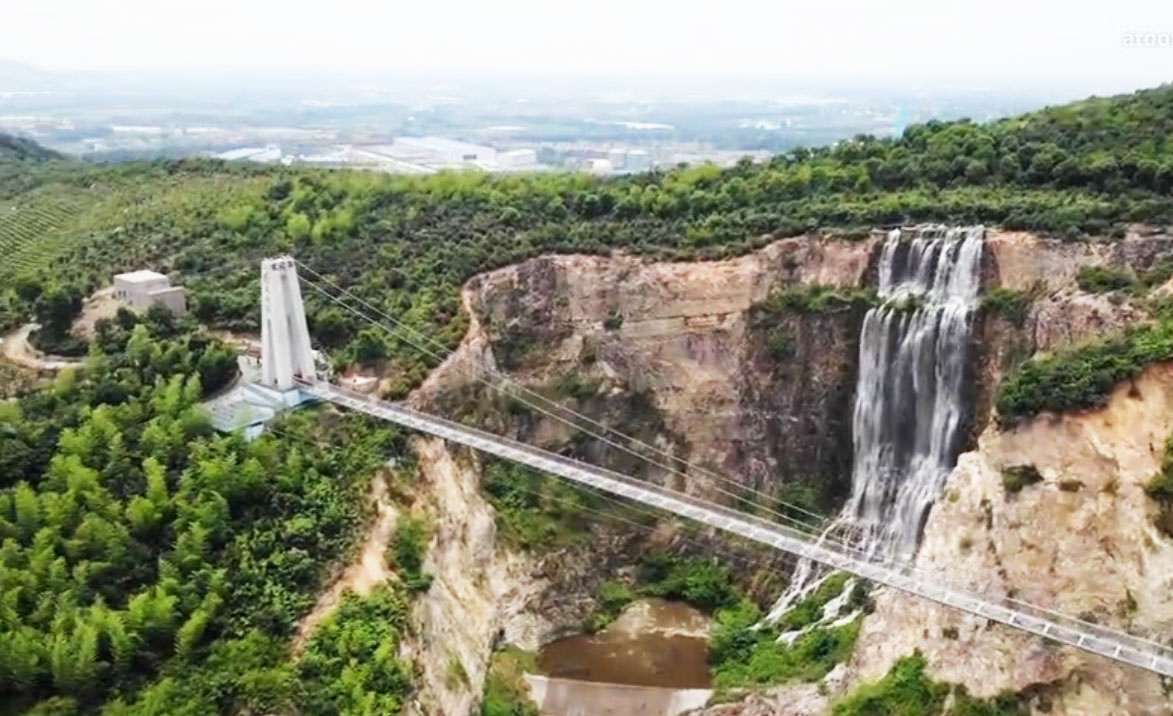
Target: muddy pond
[(652, 643)]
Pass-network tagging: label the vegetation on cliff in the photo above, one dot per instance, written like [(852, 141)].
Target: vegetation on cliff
[(745, 654), (506, 693), (1082, 376), (1160, 488), (537, 510), (906, 690), (1008, 303)]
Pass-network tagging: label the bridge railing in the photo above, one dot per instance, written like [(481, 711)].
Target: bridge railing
[(1114, 644)]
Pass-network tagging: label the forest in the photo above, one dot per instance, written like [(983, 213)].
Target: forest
[(151, 566)]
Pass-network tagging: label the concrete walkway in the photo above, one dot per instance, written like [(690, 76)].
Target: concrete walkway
[(568, 697)]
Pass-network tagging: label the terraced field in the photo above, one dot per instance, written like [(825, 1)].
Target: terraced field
[(35, 233)]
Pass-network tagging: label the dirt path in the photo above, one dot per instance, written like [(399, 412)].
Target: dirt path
[(16, 349), (361, 575), (100, 305)]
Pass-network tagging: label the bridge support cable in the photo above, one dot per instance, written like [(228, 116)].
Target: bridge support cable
[(507, 384), (728, 551), (504, 390), (1095, 639)]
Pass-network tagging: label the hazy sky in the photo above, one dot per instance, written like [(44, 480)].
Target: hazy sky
[(882, 39)]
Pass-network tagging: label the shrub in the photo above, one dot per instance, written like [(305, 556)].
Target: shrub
[(810, 610), (1158, 273), (613, 597), (573, 386), (907, 691), (1083, 376), (904, 691), (506, 693), (780, 345), (455, 675), (700, 582), (741, 655), (1160, 485), (536, 510), (1007, 303), (409, 546), (1104, 279), (811, 299), (1016, 477)]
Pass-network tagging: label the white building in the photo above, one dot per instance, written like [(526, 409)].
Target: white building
[(517, 159), (265, 155), (598, 166), (139, 290), (618, 158), (638, 160), (451, 150)]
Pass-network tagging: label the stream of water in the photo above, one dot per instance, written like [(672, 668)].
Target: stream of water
[(914, 352), (910, 395)]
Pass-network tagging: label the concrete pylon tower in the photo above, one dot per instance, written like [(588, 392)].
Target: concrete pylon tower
[(285, 338)]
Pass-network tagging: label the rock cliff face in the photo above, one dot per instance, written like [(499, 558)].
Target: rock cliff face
[(666, 352), (670, 353), (680, 336)]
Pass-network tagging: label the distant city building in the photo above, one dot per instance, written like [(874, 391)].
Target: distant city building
[(638, 160), (598, 166), (517, 159), (266, 154), (139, 290), (451, 150), (618, 158)]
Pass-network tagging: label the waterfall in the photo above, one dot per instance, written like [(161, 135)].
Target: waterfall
[(909, 401), (914, 351)]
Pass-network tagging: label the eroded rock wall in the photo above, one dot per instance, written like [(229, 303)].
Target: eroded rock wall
[(667, 352)]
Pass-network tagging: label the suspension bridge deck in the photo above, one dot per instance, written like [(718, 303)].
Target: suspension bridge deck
[(1115, 645)]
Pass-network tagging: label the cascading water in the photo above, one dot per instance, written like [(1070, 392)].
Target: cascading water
[(914, 352), (909, 402)]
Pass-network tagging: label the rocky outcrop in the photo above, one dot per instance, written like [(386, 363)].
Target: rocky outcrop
[(679, 337)]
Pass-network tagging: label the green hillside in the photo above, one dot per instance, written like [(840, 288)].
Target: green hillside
[(22, 149), (407, 243)]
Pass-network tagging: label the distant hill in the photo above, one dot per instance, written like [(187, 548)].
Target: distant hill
[(12, 147)]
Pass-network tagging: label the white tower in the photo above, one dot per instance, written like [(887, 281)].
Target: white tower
[(285, 338)]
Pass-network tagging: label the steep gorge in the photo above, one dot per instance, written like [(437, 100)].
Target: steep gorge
[(687, 356)]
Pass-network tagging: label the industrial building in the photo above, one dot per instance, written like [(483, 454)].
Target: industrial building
[(139, 290), (517, 160), (450, 151), (265, 155)]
